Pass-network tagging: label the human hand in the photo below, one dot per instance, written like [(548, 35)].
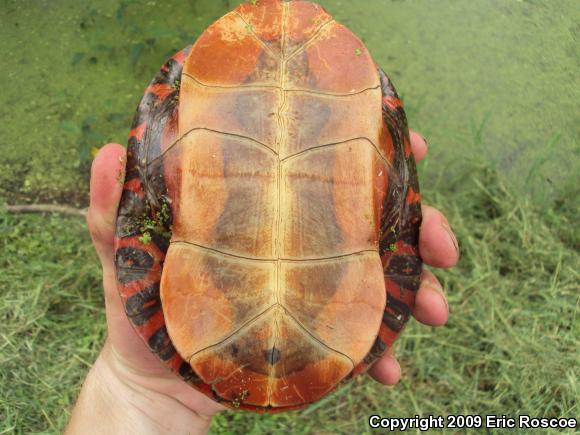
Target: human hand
[(142, 380)]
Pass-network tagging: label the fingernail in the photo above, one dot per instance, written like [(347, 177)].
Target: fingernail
[(444, 297), (452, 237), (435, 286)]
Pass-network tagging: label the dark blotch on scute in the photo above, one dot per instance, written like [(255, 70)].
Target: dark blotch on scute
[(130, 208), (273, 355), (405, 270), (160, 241), (160, 343), (397, 306), (396, 324), (217, 397), (167, 353), (126, 276), (133, 258), (410, 283), (131, 204), (406, 265), (387, 87), (410, 235), (132, 166), (143, 113), (171, 70), (396, 313), (187, 373), (376, 351), (388, 240), (143, 305), (156, 179)]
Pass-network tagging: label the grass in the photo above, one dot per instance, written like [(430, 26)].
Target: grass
[(52, 319), (511, 346)]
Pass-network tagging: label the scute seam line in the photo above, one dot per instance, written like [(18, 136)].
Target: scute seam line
[(210, 130), (257, 87), (251, 321), (273, 260)]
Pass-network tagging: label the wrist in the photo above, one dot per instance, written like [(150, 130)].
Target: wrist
[(112, 403)]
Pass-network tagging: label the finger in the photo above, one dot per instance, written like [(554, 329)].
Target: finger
[(419, 145), (437, 243), (431, 306), (386, 370), (107, 176)]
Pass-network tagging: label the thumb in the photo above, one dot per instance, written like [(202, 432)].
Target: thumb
[(107, 177)]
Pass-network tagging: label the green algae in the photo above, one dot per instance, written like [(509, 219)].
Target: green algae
[(76, 72), (503, 72)]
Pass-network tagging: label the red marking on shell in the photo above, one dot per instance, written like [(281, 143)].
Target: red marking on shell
[(138, 131), (387, 335), (392, 102), (361, 368), (400, 293), (400, 248), (133, 242), (134, 185), (181, 56), (413, 197), (150, 327), (386, 143), (134, 287), (160, 90), (175, 362)]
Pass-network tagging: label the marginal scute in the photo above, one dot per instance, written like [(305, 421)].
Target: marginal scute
[(133, 258), (141, 306)]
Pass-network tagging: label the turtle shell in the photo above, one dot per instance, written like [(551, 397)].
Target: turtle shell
[(266, 245)]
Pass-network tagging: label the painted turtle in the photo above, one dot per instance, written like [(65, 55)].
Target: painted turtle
[(266, 245)]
